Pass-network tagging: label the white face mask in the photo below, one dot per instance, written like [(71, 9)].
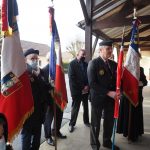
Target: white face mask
[(33, 64), (2, 144)]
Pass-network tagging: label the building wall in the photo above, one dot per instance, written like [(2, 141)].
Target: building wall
[(145, 63)]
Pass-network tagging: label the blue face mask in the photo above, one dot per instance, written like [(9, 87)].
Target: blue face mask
[(33, 64), (2, 144)]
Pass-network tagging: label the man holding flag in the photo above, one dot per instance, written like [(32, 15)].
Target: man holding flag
[(102, 80), (31, 132)]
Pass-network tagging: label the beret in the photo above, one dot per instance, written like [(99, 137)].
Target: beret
[(106, 43), (31, 51)]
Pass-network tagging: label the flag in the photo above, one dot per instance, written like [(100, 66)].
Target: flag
[(118, 85), (16, 101), (131, 72), (119, 75), (56, 68)]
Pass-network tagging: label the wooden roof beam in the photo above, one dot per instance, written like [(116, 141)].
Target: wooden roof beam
[(85, 13), (102, 12), (128, 36), (127, 39), (101, 35), (115, 22)]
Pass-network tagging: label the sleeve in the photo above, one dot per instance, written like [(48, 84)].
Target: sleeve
[(72, 77), (143, 77), (92, 79)]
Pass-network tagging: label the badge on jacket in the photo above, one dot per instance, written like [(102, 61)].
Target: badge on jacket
[(101, 72)]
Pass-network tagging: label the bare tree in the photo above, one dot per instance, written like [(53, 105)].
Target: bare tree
[(74, 47)]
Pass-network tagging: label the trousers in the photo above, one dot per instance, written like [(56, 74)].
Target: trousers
[(76, 106), (96, 114)]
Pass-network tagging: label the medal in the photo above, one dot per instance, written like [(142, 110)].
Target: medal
[(101, 72)]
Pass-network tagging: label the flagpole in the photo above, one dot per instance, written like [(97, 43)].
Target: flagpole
[(55, 126), (130, 106), (118, 84)]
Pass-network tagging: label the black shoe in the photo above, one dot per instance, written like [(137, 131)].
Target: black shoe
[(71, 128), (50, 141), (61, 136), (87, 124), (109, 146)]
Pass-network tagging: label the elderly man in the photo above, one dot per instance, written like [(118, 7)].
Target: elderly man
[(79, 88), (102, 81), (31, 132)]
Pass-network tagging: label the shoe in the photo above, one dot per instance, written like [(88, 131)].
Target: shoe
[(71, 128), (50, 141), (61, 136), (109, 146), (87, 124)]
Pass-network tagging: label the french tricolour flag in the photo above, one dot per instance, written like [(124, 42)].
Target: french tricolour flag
[(56, 68), (131, 72)]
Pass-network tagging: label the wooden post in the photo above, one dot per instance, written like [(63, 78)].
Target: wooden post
[(94, 45), (88, 31)]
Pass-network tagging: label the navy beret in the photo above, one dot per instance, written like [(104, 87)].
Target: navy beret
[(106, 43), (31, 51)]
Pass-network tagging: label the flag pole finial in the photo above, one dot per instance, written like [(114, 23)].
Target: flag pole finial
[(134, 14)]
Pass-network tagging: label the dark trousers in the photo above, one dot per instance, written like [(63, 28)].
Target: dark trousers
[(31, 138), (49, 118), (76, 106), (96, 113)]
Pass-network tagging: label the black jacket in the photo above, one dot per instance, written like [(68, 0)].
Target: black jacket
[(100, 80), (77, 77), (49, 88), (144, 81), (39, 96)]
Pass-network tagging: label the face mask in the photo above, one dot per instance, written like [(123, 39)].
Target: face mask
[(2, 144), (33, 64), (82, 59)]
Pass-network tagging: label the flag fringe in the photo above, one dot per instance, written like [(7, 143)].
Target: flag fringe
[(131, 100), (15, 133), (64, 103)]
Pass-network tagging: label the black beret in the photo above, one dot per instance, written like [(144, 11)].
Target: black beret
[(31, 51), (106, 43)]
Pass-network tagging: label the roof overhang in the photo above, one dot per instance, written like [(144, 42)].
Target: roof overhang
[(110, 16)]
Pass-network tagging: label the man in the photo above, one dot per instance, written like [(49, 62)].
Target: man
[(31, 132), (50, 110), (102, 81), (79, 88)]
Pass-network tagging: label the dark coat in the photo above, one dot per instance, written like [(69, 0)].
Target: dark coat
[(77, 77), (101, 80), (49, 88), (39, 96)]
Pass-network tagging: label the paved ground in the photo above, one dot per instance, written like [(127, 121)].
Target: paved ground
[(79, 139)]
